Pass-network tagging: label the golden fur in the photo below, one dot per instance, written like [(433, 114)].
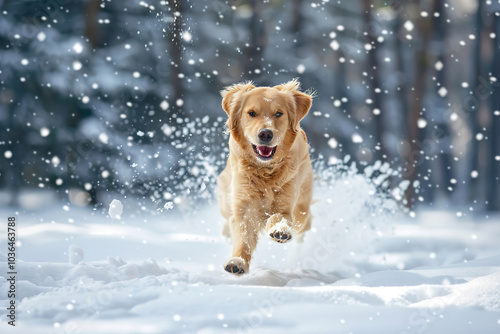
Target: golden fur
[(272, 194)]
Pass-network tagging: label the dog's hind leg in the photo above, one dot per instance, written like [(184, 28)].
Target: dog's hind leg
[(226, 229), (302, 211), (301, 222)]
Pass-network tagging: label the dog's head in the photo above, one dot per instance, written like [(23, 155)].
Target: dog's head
[(264, 121)]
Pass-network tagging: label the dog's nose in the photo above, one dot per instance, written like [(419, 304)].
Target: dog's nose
[(265, 136)]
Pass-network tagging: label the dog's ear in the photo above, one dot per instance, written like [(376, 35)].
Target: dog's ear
[(231, 103), (231, 94), (303, 101)]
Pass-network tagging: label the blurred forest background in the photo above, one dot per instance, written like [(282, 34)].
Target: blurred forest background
[(100, 96)]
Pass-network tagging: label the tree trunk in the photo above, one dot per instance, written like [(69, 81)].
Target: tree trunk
[(442, 131), (403, 78), (297, 23), (91, 27), (175, 53), (374, 76), (14, 166), (257, 42), (412, 156), (494, 179), (477, 71)]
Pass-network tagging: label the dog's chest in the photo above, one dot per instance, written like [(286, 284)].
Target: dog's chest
[(270, 194)]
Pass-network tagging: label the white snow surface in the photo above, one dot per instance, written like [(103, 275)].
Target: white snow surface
[(361, 269)]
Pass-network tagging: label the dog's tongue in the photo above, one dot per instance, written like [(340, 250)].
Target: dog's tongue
[(265, 151)]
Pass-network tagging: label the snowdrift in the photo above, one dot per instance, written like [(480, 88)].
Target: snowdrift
[(364, 268)]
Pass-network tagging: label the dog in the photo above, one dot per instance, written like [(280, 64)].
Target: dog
[(268, 180)]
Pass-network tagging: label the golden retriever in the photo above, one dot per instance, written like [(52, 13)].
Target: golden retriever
[(267, 183)]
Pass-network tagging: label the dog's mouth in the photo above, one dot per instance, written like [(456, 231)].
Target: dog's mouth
[(264, 152)]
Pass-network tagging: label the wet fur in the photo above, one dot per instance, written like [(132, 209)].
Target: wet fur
[(256, 195)]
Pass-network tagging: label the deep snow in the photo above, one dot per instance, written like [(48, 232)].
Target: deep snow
[(362, 269)]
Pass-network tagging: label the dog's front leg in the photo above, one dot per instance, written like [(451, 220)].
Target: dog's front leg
[(280, 225), (244, 231)]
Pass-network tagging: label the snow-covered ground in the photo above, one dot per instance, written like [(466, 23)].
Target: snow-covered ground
[(362, 269)]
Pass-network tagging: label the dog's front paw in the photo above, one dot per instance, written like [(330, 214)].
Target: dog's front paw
[(280, 236), (237, 266), (279, 228)]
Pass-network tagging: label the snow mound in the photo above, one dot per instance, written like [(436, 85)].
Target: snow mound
[(362, 266)]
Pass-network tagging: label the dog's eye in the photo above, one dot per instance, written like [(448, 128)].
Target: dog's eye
[(252, 113), (278, 114)]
